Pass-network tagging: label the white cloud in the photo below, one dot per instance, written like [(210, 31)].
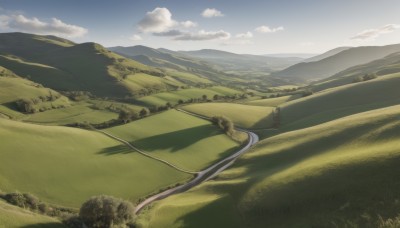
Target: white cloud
[(136, 37), (34, 25), (266, 29), (209, 13), (4, 19), (188, 24), (205, 35), (371, 34), (246, 35), (173, 32), (158, 20)]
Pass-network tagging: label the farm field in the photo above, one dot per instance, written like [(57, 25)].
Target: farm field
[(245, 116)]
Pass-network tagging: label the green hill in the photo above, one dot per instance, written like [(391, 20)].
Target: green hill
[(12, 216), (14, 89), (245, 116), (62, 65), (387, 65), (306, 72), (341, 101), (342, 173), (326, 54)]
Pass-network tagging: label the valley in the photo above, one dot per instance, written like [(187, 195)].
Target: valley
[(183, 134)]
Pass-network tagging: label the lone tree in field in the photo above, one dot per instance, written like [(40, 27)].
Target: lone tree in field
[(106, 212), (225, 124)]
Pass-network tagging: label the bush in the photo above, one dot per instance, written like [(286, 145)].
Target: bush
[(224, 123), (25, 200), (106, 211)]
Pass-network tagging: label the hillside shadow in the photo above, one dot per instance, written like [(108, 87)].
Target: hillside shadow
[(264, 123), (172, 141)]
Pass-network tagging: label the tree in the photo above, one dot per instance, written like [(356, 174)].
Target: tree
[(204, 97), (224, 123), (124, 116), (144, 112), (216, 97), (106, 211)]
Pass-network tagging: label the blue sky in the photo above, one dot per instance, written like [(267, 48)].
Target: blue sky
[(242, 26)]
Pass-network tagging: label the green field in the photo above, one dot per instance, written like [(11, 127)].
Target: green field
[(341, 101), (173, 97), (245, 116), (342, 173), (12, 216), (77, 113), (185, 76), (66, 166), (273, 102), (182, 139)]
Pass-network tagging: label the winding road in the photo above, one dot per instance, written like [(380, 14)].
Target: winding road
[(203, 175)]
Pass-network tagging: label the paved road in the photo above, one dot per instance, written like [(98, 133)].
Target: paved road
[(203, 175)]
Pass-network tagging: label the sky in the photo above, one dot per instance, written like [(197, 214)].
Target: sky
[(240, 26)]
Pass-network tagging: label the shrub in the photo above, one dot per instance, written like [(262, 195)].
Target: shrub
[(106, 211)]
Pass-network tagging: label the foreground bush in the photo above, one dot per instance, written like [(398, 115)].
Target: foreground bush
[(106, 211)]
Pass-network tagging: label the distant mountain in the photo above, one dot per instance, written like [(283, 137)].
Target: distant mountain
[(242, 62), (162, 58), (388, 65), (294, 55), (65, 66), (326, 54), (310, 71)]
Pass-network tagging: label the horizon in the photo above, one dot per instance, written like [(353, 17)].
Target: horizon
[(304, 27)]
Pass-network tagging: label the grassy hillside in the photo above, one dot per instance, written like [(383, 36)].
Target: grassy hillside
[(12, 216), (173, 97), (76, 113), (339, 174), (341, 101), (326, 54), (387, 65), (14, 89), (242, 115), (74, 165), (187, 141), (62, 65), (272, 102), (305, 72)]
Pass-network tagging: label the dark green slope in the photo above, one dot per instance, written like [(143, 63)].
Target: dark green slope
[(62, 65), (387, 65), (305, 72)]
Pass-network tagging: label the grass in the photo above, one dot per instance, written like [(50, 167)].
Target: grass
[(187, 141), (142, 81), (66, 166), (245, 116), (273, 102), (341, 101), (342, 173), (12, 216), (173, 97), (77, 113), (185, 76)]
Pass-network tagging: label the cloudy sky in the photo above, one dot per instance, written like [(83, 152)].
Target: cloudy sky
[(242, 26)]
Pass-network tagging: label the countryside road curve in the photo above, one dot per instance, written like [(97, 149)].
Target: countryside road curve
[(203, 175)]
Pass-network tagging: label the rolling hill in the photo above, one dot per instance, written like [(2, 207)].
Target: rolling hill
[(309, 71), (340, 101), (338, 174), (242, 62), (65, 66), (326, 54), (387, 65)]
